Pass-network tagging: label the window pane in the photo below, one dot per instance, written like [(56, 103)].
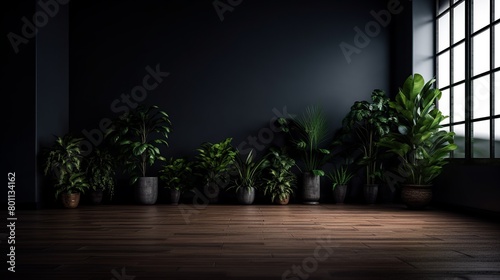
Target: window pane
[(459, 63), (459, 140), (444, 32), (497, 44), (481, 15), (444, 105), (497, 138), (481, 139), (459, 103), (497, 93), (497, 10), (443, 78), (481, 53), (481, 97), (459, 22), (443, 5)]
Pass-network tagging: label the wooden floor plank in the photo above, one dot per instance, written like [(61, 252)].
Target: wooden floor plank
[(255, 242)]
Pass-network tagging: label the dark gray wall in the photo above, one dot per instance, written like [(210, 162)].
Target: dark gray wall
[(52, 89), (36, 92), (226, 77), (18, 90)]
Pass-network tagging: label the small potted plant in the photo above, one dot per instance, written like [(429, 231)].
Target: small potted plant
[(101, 170), (363, 127), (420, 143), (307, 133), (140, 134), (63, 162), (280, 182), (247, 177), (176, 174), (212, 163), (340, 177)]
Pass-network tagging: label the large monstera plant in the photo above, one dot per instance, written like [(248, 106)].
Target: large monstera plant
[(420, 142)]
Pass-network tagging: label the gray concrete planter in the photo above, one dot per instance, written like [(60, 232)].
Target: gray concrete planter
[(147, 190), (246, 195), (311, 188)]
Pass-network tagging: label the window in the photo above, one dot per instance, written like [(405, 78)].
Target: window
[(468, 74)]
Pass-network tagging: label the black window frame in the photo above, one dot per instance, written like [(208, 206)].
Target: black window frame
[(469, 76)]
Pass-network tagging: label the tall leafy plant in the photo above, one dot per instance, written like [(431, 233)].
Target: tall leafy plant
[(140, 134), (308, 132), (420, 142), (63, 162), (364, 126)]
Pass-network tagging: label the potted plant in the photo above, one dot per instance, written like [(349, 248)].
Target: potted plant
[(307, 133), (140, 135), (365, 124), (280, 182), (63, 162), (212, 163), (176, 174), (420, 143), (340, 177), (101, 169), (247, 177)]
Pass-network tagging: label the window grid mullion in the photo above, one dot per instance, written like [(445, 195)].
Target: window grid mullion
[(492, 79), (468, 74)]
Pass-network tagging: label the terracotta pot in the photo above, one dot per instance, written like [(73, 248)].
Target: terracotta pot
[(70, 200), (416, 196), (284, 201)]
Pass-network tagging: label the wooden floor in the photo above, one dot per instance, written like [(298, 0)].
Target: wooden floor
[(326, 241)]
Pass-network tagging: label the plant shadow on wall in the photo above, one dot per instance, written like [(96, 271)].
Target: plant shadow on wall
[(362, 128), (140, 134), (420, 143), (307, 135)]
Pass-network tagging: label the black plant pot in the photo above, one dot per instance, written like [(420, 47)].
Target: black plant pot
[(211, 192), (246, 195), (370, 192), (339, 193), (175, 196), (96, 196), (311, 188), (147, 190)]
